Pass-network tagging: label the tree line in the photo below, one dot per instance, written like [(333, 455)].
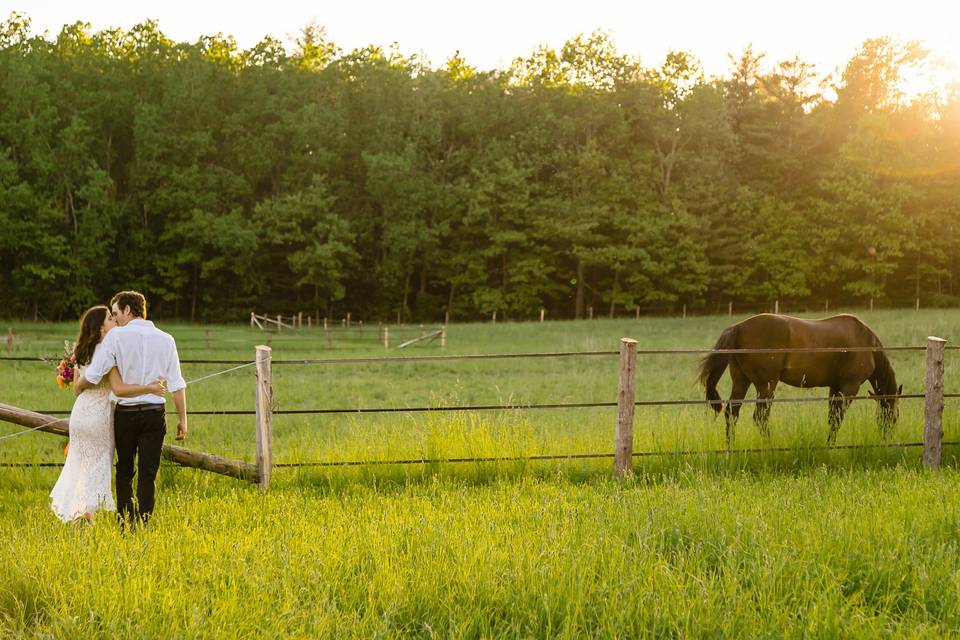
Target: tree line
[(219, 180)]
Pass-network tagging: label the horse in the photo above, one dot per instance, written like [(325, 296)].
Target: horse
[(841, 372)]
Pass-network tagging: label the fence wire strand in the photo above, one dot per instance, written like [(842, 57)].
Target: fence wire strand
[(555, 354), (524, 407), (559, 456)]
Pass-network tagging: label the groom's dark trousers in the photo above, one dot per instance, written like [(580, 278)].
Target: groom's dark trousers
[(138, 431)]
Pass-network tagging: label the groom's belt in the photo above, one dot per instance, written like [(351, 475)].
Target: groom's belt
[(137, 408)]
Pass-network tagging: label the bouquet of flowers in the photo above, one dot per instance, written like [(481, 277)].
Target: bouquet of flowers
[(67, 366)]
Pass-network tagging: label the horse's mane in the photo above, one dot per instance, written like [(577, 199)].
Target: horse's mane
[(883, 371)]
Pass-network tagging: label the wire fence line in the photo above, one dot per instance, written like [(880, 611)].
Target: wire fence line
[(586, 456), (504, 356), (245, 363), (525, 406), (558, 456)]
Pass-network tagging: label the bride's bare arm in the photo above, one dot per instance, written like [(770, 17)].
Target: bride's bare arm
[(123, 390)]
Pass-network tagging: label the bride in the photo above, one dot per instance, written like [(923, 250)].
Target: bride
[(84, 483)]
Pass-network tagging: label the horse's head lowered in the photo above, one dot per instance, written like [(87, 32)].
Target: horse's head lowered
[(888, 405)]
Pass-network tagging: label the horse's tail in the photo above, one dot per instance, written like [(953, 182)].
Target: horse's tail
[(713, 365)]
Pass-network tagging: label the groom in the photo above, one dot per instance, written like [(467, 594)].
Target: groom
[(142, 353)]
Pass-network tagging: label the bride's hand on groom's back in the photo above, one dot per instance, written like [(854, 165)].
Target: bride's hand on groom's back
[(158, 387)]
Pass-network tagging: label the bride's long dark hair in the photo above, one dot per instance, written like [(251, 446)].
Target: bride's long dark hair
[(89, 338)]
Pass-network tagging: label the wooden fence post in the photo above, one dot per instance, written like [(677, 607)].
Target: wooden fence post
[(443, 337), (776, 307), (493, 319), (348, 319), (251, 319), (300, 320), (623, 454), (871, 304), (918, 304), (324, 323), (279, 323), (542, 313), (264, 416), (309, 322), (590, 312), (933, 404), (446, 318), (386, 337), (730, 308), (638, 312)]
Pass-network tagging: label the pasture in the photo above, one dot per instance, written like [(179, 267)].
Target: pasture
[(801, 542)]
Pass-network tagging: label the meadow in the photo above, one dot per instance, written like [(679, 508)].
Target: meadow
[(806, 542)]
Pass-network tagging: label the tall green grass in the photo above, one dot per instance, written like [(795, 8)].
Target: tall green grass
[(703, 543), (689, 553)]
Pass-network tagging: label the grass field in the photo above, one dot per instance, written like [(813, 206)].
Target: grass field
[(808, 542)]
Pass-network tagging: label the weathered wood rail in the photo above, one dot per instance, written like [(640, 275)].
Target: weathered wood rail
[(180, 455), (259, 473)]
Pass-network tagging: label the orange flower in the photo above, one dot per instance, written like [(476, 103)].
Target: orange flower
[(61, 382)]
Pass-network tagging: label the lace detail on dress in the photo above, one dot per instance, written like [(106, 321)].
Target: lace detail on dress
[(84, 483)]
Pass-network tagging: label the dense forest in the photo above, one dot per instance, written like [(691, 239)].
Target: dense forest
[(308, 178)]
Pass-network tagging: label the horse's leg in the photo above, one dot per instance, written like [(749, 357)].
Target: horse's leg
[(839, 401), (836, 414), (732, 411), (761, 414)]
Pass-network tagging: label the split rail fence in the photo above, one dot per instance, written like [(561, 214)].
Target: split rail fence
[(261, 471), (351, 329)]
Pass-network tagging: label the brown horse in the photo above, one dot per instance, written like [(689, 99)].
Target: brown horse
[(842, 373)]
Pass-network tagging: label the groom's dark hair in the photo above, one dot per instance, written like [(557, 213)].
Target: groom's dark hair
[(132, 299)]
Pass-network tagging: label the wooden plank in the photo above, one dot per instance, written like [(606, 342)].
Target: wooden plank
[(430, 336), (933, 403), (623, 453), (264, 399), (179, 455)]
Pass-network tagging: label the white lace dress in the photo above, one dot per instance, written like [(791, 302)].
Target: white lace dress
[(84, 483)]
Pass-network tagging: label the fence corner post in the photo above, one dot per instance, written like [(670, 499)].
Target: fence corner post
[(264, 416), (623, 454), (933, 403)]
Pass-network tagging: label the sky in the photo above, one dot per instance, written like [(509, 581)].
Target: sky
[(490, 34)]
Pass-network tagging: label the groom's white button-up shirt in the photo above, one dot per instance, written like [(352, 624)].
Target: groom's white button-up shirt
[(142, 353)]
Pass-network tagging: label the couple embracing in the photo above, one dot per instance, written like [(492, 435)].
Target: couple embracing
[(124, 367)]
